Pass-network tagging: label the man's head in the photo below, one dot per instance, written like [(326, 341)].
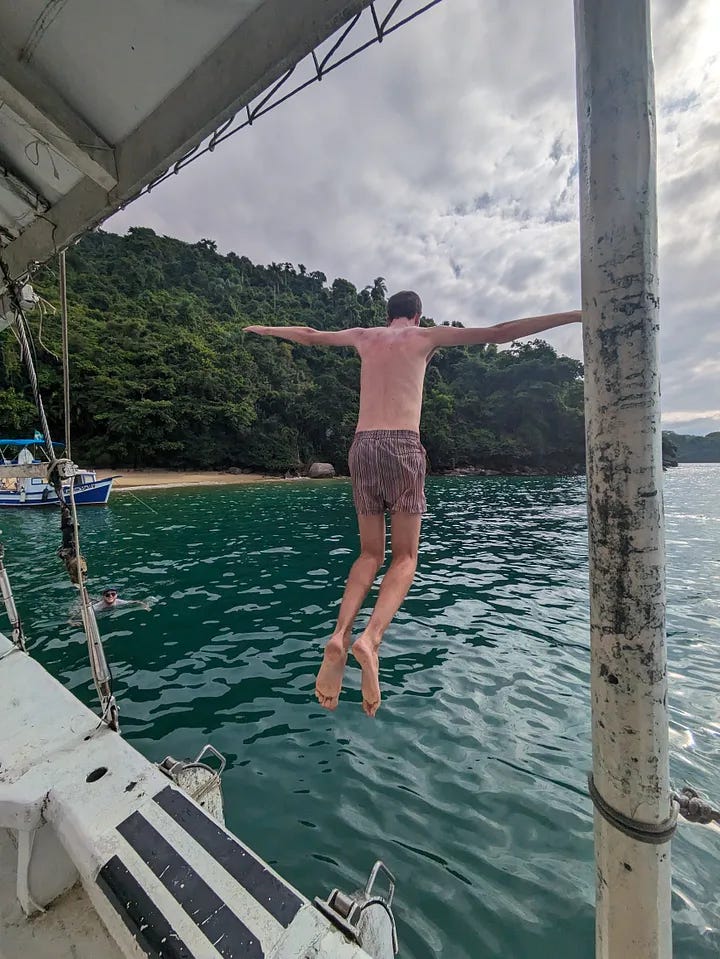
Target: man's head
[(404, 305), (110, 595)]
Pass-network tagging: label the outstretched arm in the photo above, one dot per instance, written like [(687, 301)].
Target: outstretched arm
[(307, 335), (500, 333), (131, 602)]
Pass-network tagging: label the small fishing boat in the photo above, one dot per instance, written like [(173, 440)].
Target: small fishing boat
[(24, 478)]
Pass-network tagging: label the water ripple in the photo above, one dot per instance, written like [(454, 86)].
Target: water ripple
[(470, 783)]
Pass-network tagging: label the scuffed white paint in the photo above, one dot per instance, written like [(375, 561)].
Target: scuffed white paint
[(616, 118)]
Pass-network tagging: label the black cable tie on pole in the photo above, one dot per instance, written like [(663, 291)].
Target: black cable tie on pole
[(649, 832)]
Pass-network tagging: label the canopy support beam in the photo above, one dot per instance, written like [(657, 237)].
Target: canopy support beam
[(616, 118), (53, 120)]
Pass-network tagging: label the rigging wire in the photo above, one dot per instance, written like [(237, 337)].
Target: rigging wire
[(101, 674), (25, 338), (58, 471)]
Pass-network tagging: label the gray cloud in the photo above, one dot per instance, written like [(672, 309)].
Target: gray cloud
[(446, 160)]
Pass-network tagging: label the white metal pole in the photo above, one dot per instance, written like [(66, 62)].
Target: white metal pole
[(65, 351), (616, 119)]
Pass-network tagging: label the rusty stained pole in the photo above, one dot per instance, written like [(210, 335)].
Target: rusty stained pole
[(618, 218)]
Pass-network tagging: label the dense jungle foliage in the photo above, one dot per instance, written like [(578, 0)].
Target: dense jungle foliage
[(163, 375)]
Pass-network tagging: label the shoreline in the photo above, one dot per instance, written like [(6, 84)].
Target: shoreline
[(149, 479), (171, 479)]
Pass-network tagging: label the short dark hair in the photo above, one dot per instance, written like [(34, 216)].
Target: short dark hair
[(406, 303)]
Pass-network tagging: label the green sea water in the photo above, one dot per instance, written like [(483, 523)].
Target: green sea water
[(470, 783)]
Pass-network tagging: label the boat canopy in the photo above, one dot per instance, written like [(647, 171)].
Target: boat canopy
[(97, 100), (38, 439)]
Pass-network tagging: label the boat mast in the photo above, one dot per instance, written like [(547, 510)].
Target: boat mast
[(65, 349), (616, 119)]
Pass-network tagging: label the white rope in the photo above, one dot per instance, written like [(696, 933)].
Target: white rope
[(43, 313)]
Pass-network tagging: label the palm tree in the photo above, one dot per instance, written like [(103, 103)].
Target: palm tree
[(379, 289)]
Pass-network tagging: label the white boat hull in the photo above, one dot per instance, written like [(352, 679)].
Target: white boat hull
[(95, 493), (93, 821)]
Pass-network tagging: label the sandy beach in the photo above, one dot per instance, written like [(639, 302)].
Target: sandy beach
[(165, 479)]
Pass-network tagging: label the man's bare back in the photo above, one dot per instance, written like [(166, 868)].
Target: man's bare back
[(392, 374), (388, 466)]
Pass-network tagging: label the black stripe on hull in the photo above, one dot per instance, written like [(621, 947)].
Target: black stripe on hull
[(152, 932), (230, 936), (270, 892)]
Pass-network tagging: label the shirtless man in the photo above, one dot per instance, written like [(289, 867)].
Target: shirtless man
[(387, 466)]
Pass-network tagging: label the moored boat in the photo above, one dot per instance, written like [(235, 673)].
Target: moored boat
[(24, 478)]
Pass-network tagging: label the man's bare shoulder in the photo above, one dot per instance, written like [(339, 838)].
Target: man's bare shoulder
[(426, 338), (368, 334)]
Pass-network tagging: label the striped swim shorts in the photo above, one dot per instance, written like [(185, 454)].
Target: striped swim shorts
[(387, 469)]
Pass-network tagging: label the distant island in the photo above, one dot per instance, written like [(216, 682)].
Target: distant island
[(163, 376), (686, 448)]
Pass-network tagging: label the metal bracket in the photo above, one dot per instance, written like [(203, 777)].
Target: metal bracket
[(336, 908), (381, 867), (210, 750), (173, 767), (344, 910)]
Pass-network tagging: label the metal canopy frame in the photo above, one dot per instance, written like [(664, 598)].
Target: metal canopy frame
[(340, 51), (87, 179)]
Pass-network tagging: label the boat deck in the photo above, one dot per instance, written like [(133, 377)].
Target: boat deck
[(155, 869), (68, 929)]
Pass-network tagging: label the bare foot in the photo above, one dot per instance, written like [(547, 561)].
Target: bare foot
[(329, 678), (366, 654)]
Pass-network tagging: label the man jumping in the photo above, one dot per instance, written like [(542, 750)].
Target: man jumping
[(387, 466)]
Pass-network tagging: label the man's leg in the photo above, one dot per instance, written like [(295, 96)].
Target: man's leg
[(360, 579), (395, 584)]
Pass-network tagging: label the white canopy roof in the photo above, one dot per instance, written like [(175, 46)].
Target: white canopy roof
[(98, 98)]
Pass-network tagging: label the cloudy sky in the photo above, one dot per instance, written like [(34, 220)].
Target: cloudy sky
[(445, 161)]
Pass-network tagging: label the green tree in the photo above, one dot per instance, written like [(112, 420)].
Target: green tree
[(163, 375)]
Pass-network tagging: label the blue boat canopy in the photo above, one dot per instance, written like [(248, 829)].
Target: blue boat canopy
[(26, 442)]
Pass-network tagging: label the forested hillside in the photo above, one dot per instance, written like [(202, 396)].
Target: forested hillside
[(163, 375), (695, 449)]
